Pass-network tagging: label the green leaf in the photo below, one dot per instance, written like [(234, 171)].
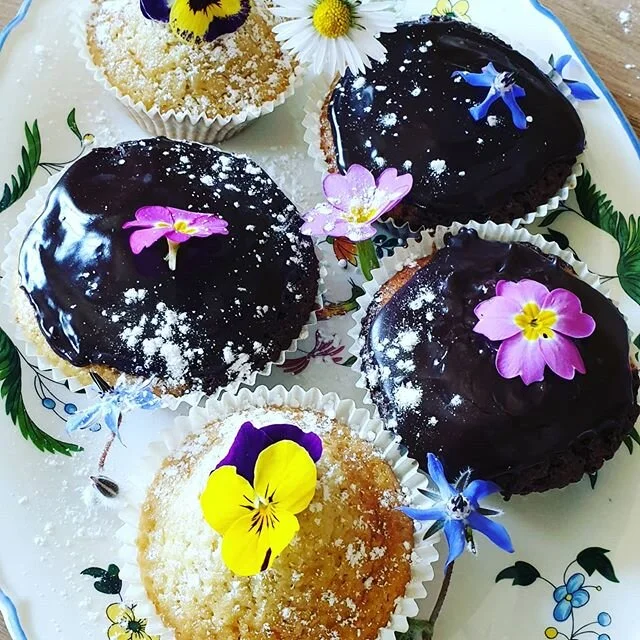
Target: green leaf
[(634, 435), (368, 258), (593, 479), (594, 559), (434, 528), (108, 581), (628, 443), (11, 393), (555, 236), (523, 574), (552, 217), (94, 572), (71, 123), (418, 630), (21, 179), (636, 342), (349, 362)]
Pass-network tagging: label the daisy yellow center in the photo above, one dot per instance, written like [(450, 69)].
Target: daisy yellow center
[(536, 323), (333, 18), (360, 213)]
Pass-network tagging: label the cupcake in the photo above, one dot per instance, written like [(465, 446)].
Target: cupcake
[(495, 355), (484, 132), (277, 517), (200, 73), (163, 260)]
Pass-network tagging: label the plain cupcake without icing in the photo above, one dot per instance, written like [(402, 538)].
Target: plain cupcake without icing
[(168, 261)]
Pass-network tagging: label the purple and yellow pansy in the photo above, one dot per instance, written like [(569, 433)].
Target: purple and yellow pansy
[(253, 496), (198, 20)]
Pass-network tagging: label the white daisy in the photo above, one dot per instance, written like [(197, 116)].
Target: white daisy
[(333, 35)]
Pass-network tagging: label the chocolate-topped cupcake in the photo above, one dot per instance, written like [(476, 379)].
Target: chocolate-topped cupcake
[(496, 356), (165, 260), (484, 132)]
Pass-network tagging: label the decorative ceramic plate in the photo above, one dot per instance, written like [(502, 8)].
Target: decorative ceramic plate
[(59, 556)]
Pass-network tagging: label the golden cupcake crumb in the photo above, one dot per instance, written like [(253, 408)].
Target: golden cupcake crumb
[(339, 579), (151, 65)]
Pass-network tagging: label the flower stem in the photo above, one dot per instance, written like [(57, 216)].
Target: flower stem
[(430, 631), (172, 255), (367, 257), (105, 453)]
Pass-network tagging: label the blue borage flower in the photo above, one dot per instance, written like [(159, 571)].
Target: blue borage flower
[(579, 90), (502, 86), (458, 512), (198, 20), (113, 403)]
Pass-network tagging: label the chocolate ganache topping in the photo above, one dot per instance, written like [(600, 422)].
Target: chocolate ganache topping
[(411, 114), (436, 381), (233, 303)]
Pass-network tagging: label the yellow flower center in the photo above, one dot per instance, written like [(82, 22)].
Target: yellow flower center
[(182, 226), (536, 323), (360, 213), (551, 632), (333, 18), (568, 597), (264, 515)]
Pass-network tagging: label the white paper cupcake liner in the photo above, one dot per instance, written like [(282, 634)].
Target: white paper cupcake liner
[(312, 125), (77, 382), (344, 411), (179, 125), (415, 250)]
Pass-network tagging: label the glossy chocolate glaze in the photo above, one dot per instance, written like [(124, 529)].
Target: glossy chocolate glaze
[(233, 303), (409, 112), (467, 413)]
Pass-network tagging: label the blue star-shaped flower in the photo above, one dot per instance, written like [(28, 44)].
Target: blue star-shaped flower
[(579, 90), (458, 511), (502, 86)]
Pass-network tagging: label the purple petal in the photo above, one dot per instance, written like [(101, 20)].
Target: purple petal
[(523, 292), (571, 321), (562, 62), (177, 236), (311, 442), (562, 356), (480, 111), (478, 490), (394, 187), (454, 532), (475, 79), (209, 225), (144, 238), (581, 91), (228, 24), (436, 473), (152, 215), (155, 10), (517, 114), (492, 529), (324, 220), (249, 443), (496, 318), (355, 232), (341, 190), (424, 515), (518, 356), (575, 582)]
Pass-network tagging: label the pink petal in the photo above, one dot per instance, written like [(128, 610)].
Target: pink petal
[(357, 184), (151, 215), (394, 188), (497, 318), (324, 220), (144, 238), (571, 321), (523, 292), (562, 356), (178, 237), (518, 356), (358, 233)]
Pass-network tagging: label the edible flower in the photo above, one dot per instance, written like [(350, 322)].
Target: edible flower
[(254, 494), (535, 325), (113, 403), (198, 20), (457, 510), (569, 596), (579, 90), (175, 225), (333, 35), (355, 201), (502, 86), (447, 9)]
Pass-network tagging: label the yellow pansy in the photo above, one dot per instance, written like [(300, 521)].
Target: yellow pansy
[(447, 9), (125, 624), (205, 20), (258, 522)]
